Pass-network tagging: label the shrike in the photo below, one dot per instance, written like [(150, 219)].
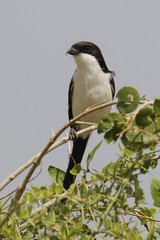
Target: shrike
[(92, 83)]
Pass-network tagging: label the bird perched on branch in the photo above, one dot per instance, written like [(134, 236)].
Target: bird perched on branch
[(92, 83)]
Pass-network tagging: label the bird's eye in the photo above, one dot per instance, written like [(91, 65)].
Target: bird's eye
[(88, 48)]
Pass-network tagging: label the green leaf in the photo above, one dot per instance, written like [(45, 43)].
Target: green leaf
[(112, 135), (147, 140), (112, 124), (139, 196), (145, 167), (149, 135), (157, 124), (109, 121), (56, 174), (154, 163), (156, 106), (128, 100), (91, 154), (150, 212), (151, 235), (145, 117), (107, 223), (76, 230), (126, 152), (134, 138), (151, 128), (133, 146), (155, 191), (76, 169), (134, 135)]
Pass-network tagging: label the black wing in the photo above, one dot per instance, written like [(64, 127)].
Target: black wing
[(70, 94), (112, 83)]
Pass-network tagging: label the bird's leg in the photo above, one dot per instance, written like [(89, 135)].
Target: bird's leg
[(73, 134)]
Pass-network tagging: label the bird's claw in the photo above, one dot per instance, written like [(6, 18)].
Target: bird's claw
[(73, 134)]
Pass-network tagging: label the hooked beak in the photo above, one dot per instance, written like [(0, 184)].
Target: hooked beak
[(72, 51)]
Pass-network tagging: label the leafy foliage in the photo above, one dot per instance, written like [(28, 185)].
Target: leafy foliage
[(128, 100), (110, 204), (155, 191)]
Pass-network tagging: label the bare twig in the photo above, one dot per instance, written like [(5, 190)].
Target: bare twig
[(22, 186), (16, 189), (37, 161), (58, 143), (46, 149), (54, 144)]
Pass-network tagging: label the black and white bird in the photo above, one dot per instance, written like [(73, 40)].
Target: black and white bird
[(91, 84)]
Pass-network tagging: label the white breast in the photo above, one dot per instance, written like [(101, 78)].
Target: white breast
[(91, 86)]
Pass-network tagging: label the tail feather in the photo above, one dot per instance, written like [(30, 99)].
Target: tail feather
[(79, 146)]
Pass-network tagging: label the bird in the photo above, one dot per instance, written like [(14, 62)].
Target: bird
[(92, 83)]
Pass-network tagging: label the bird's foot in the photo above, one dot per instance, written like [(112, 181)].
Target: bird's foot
[(73, 134)]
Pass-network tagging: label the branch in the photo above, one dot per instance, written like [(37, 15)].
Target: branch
[(53, 145), (131, 120), (138, 214), (58, 143), (47, 148), (50, 203), (16, 173), (16, 189)]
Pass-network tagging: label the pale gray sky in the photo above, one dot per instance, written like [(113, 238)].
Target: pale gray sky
[(35, 72)]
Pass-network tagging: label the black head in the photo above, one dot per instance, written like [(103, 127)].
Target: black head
[(88, 48)]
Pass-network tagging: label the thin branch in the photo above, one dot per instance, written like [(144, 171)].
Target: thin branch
[(37, 161), (58, 143), (49, 203), (28, 182), (134, 116), (138, 214), (146, 132), (152, 158), (16, 173)]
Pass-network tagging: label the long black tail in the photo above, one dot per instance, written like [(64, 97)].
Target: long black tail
[(79, 146)]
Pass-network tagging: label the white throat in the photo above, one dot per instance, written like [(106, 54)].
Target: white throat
[(86, 61)]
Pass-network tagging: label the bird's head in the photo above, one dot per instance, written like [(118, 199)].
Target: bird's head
[(87, 54)]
